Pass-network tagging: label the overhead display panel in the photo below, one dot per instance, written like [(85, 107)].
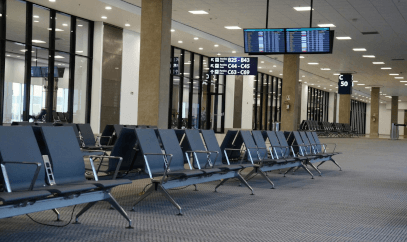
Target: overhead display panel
[(308, 40), (345, 84), (233, 66), (264, 41)]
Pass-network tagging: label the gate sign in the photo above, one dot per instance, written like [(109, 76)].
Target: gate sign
[(345, 84), (233, 66)]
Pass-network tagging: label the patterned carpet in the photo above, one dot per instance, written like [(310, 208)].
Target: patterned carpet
[(364, 202)]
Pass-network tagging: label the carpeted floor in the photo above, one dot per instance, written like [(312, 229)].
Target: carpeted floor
[(367, 201)]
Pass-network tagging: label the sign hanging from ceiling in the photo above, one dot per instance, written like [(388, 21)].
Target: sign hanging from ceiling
[(233, 66), (345, 84)]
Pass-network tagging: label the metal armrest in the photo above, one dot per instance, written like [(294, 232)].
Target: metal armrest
[(204, 152), (101, 161), (325, 145), (5, 176), (232, 149), (167, 165)]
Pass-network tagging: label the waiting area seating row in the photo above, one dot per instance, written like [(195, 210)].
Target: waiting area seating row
[(54, 173), (328, 129)]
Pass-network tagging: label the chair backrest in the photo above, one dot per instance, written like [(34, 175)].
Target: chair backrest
[(212, 145), (171, 146), (231, 141), (306, 141), (61, 116), (45, 124), (55, 116), (76, 131), (315, 135), (88, 137), (117, 129), (18, 144), (311, 138), (250, 144), (148, 144), (261, 144), (124, 147), (66, 115), (22, 123), (299, 142), (65, 155), (279, 151), (107, 132), (195, 143)]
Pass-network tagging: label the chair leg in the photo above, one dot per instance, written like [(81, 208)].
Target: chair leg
[(265, 177), (86, 208), (313, 166), (288, 170), (196, 187), (119, 208), (146, 194), (168, 196), (242, 180), (58, 215), (305, 168), (220, 184), (321, 163), (250, 173), (340, 168)]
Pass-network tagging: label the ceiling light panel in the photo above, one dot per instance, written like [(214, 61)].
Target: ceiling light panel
[(198, 12)]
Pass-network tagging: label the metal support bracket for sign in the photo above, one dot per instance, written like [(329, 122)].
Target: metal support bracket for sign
[(310, 18)]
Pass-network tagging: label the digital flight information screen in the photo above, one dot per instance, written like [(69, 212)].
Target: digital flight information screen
[(308, 40), (264, 41)]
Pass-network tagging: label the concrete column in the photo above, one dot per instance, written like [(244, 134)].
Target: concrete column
[(290, 93), (247, 102), (394, 110), (238, 96), (405, 122), (344, 108), (331, 109), (230, 102), (155, 54), (374, 112)]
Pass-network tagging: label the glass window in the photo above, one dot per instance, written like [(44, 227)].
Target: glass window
[(61, 81), (41, 26), (39, 83), (15, 29), (80, 90), (82, 37), (62, 32)]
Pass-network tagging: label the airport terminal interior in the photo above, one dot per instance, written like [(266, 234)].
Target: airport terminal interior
[(203, 120)]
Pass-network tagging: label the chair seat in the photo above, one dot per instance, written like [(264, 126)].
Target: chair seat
[(181, 173), (233, 167), (90, 153), (22, 196), (212, 170), (104, 147), (106, 184), (69, 188)]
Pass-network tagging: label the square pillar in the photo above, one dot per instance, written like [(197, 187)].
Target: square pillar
[(374, 112), (155, 56), (394, 110), (344, 108), (290, 93)]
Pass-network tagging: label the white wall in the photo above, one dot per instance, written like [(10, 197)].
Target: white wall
[(385, 122), (304, 101), (331, 107), (368, 114), (130, 77), (247, 102), (97, 77), (230, 101)]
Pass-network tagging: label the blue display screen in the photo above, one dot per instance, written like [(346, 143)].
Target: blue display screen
[(308, 40), (264, 40)]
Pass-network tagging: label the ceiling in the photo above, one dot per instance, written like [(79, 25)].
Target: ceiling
[(351, 18)]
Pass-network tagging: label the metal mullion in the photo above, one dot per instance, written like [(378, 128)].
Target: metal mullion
[(281, 97), (28, 56), (261, 102), (208, 103), (72, 62), (181, 88), (171, 88), (223, 112), (266, 103), (275, 95), (51, 65), (270, 92), (215, 105), (3, 7), (198, 118), (90, 66), (191, 89), (255, 102), (308, 102)]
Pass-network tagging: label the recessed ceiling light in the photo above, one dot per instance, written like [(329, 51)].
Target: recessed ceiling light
[(36, 16), (343, 38), (403, 81), (386, 68), (368, 56), (65, 25), (56, 29), (38, 41), (303, 76), (172, 30), (234, 51), (218, 53), (79, 51), (216, 45), (180, 41), (360, 84), (399, 77), (336, 74), (270, 71), (8, 55), (108, 8), (127, 25), (281, 74), (200, 48), (394, 74), (302, 8), (80, 25), (261, 61), (59, 57), (326, 25), (232, 27), (259, 67), (198, 12), (325, 69), (18, 56), (36, 21), (313, 63), (302, 57), (300, 80), (355, 81), (104, 17), (52, 1), (378, 63), (196, 38), (359, 49)]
